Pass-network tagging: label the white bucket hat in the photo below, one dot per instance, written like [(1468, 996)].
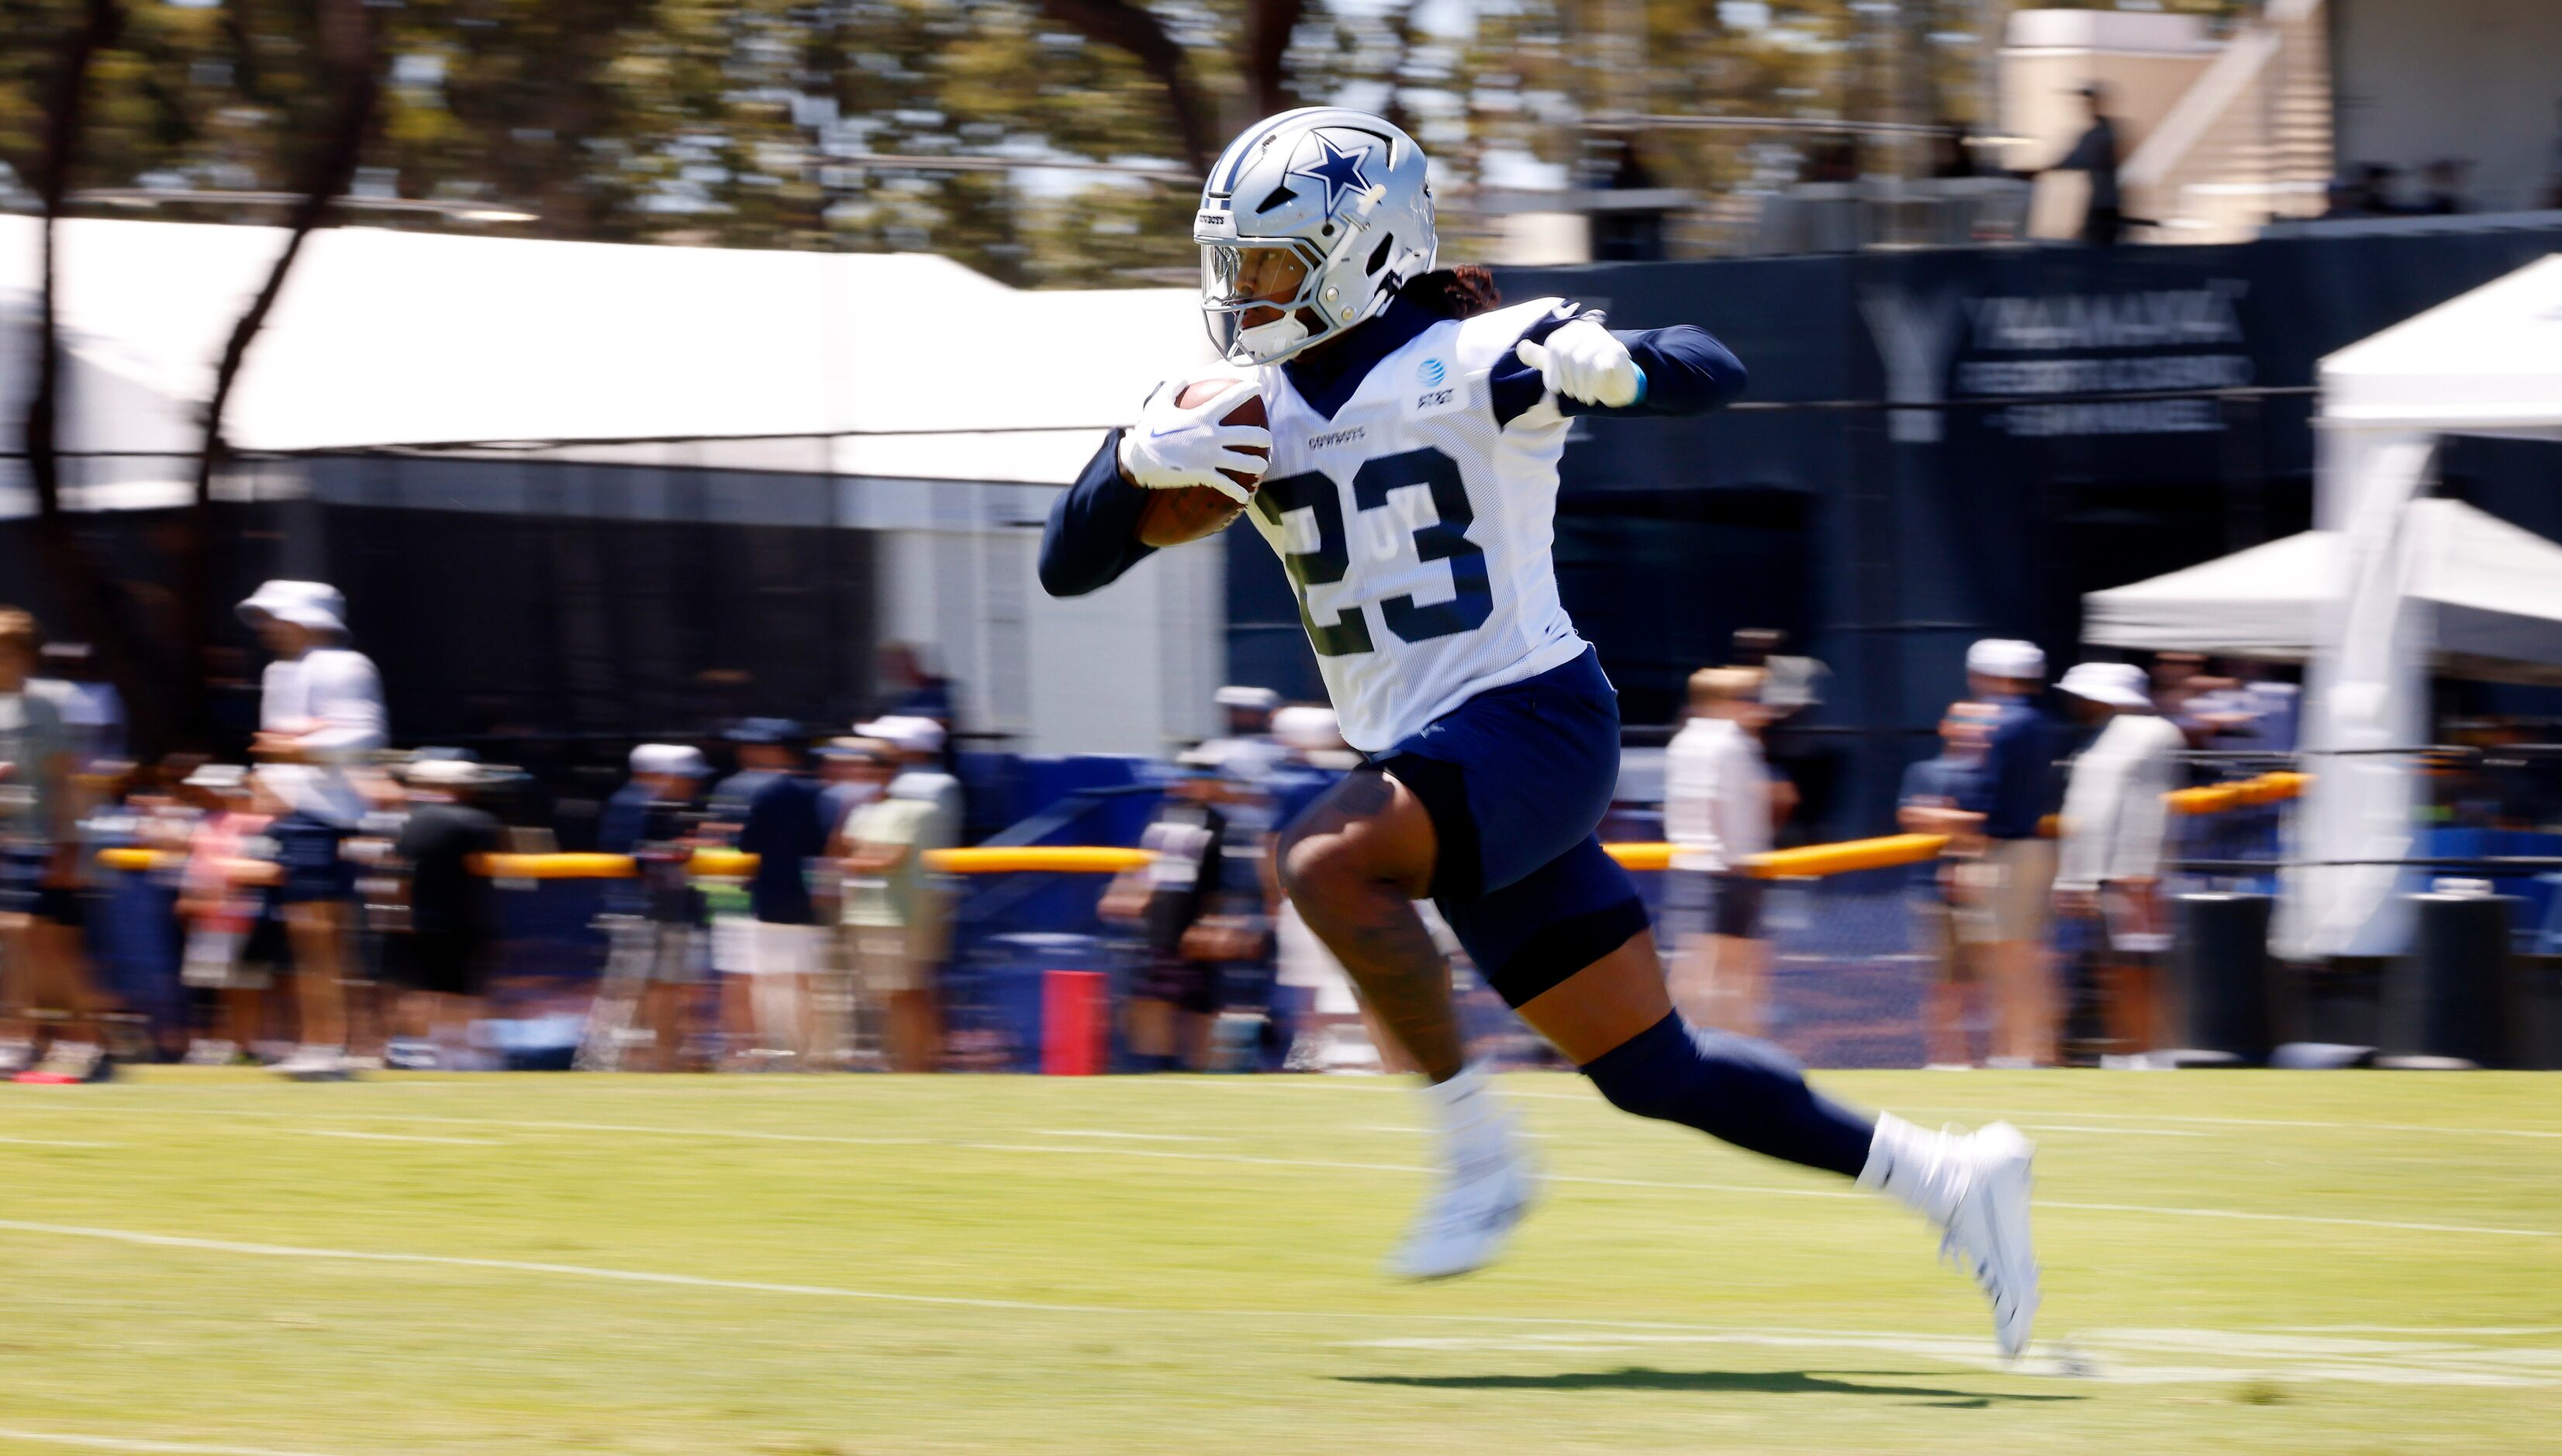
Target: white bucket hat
[(317, 605), (2118, 684), (2006, 657)]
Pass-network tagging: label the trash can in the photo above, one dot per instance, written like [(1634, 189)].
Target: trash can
[(2454, 996), (2219, 975)]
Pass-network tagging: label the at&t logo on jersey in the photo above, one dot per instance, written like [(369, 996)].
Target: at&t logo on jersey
[(1437, 392)]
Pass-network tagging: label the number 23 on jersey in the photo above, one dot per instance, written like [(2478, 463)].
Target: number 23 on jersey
[(1471, 601)]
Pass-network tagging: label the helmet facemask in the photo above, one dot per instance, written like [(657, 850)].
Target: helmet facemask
[(1259, 299)]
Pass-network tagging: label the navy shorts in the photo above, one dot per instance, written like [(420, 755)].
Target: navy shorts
[(22, 890), (1517, 779), (307, 848)]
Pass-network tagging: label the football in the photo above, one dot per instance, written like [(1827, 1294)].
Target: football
[(1173, 517)]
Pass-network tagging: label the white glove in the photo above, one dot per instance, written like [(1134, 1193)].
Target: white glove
[(1171, 448), (1581, 360)]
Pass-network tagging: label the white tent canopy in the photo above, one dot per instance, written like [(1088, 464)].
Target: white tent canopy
[(2491, 593), (384, 337), (392, 338), (2257, 602), (2487, 362)]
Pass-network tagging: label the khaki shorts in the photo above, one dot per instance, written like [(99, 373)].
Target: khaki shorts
[(744, 947), (215, 962), (2011, 886), (886, 959)]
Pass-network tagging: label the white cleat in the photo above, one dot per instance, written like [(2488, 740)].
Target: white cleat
[(313, 1064), (1487, 1181), (1973, 1187), (1988, 1229), (1470, 1215)]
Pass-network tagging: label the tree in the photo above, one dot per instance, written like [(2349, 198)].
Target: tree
[(66, 96)]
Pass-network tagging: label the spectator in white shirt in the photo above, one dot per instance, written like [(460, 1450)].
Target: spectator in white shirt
[(320, 709), (1718, 811), (2115, 833)]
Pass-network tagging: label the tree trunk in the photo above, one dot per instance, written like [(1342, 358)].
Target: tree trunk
[(1268, 27), (347, 39), (1127, 27), (87, 598)]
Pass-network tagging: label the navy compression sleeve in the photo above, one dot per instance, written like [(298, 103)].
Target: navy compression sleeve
[(1688, 372), (1093, 531)]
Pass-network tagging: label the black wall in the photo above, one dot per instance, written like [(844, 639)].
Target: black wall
[(1885, 540)]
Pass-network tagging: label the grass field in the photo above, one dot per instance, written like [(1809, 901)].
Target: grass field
[(2262, 1261)]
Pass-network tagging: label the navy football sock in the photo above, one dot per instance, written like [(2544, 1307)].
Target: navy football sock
[(1746, 1092)]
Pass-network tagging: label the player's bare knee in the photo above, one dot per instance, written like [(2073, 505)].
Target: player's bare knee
[(1315, 865)]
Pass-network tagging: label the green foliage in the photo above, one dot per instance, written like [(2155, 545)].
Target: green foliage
[(742, 122)]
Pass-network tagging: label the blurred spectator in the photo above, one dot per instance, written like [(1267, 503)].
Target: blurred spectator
[(771, 812), (2094, 155), (130, 946), (848, 779), (231, 867), (2008, 885), (320, 706), (894, 912), (2115, 831), (1928, 805), (2242, 713), (908, 688), (918, 742), (1719, 812), (1246, 745), (453, 913), (1175, 992), (652, 921), (1334, 1028), (93, 710), (51, 1033), (2446, 180)]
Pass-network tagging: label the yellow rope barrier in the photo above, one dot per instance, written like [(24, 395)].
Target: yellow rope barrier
[(1812, 860)]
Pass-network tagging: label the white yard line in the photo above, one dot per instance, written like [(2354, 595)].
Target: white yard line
[(2317, 1218), (2263, 1353), (2115, 1356), (1134, 1137), (1105, 1149), (54, 1142), (128, 1443), (398, 1138), (2260, 1122), (2110, 1131)]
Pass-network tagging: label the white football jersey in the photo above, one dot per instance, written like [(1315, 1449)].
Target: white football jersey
[(1417, 530)]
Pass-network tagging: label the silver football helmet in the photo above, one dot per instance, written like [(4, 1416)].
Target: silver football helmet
[(1308, 223)]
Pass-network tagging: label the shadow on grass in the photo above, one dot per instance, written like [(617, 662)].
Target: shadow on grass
[(1713, 1382)]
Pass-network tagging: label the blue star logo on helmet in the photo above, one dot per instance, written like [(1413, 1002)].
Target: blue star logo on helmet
[(1339, 169)]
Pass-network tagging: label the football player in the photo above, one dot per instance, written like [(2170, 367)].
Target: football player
[(1410, 493)]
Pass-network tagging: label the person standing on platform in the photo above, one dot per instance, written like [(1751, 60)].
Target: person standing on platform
[(2094, 155)]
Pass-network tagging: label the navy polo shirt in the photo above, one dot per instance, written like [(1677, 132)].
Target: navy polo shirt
[(2012, 790), (778, 819)]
